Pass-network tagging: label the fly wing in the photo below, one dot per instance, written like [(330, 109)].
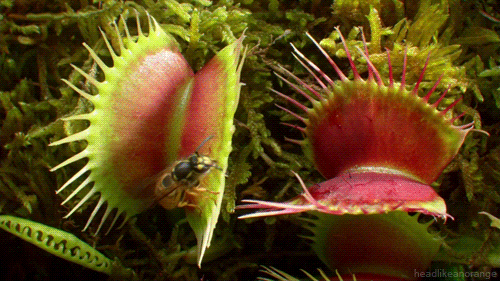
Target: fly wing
[(168, 191)]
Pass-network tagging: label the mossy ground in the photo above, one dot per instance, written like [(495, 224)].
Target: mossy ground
[(39, 40)]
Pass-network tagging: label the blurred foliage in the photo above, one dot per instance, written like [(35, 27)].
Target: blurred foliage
[(62, 244), (40, 39)]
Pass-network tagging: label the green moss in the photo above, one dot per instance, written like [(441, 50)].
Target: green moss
[(418, 38), (40, 39)]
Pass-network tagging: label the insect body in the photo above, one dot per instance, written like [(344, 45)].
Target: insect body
[(191, 169), (182, 180)]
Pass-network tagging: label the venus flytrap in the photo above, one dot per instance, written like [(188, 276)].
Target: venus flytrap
[(380, 147), (64, 245), (150, 111)]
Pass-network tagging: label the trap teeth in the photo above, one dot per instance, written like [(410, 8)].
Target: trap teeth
[(151, 111)]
